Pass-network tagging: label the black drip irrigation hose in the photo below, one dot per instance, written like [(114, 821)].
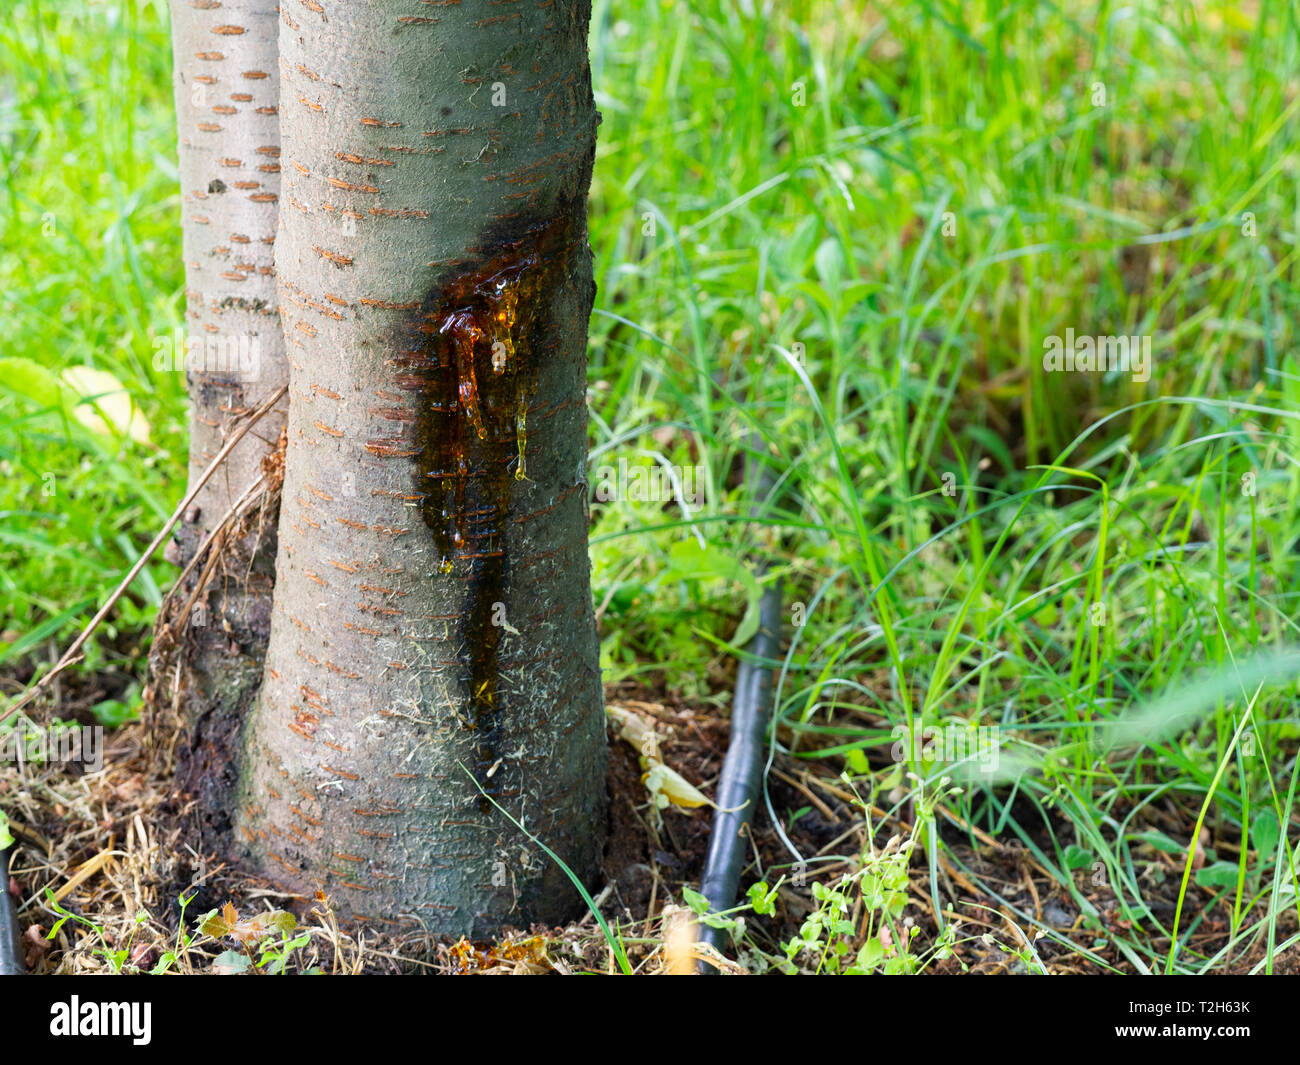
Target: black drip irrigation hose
[(742, 770), (11, 949)]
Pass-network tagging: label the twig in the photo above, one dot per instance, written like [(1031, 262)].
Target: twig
[(86, 871), (71, 653), (231, 515)]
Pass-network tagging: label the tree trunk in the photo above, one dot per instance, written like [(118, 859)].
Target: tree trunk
[(432, 636), (207, 659)]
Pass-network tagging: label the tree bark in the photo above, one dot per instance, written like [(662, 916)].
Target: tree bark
[(432, 636), (208, 661)]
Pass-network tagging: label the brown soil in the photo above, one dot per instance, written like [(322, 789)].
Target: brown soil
[(109, 848)]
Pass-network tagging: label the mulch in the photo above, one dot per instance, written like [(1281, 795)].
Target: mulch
[(107, 847)]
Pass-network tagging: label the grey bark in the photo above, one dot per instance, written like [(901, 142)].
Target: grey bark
[(209, 662), (433, 632)]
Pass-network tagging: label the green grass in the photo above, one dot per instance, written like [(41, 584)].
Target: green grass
[(90, 273), (862, 272)]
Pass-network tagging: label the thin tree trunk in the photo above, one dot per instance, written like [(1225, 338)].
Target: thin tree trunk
[(209, 659), (433, 632)]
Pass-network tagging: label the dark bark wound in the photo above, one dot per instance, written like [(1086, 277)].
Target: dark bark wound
[(473, 353)]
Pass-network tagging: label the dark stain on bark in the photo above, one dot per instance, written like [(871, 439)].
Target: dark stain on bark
[(255, 306), (223, 672), (476, 341)]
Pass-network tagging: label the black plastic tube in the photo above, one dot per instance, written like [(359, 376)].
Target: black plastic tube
[(742, 770), (11, 948)]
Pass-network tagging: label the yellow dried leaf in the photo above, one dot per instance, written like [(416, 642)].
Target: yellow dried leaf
[(106, 407), (674, 787), (635, 730)]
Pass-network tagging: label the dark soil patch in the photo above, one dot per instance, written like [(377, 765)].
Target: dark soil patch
[(123, 825)]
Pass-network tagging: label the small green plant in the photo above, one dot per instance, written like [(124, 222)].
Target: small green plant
[(183, 940), (114, 713), (858, 926), (117, 959), (762, 901), (268, 933), (1026, 955), (277, 955)]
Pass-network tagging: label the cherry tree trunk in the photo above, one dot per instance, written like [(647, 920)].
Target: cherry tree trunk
[(208, 655), (433, 650)]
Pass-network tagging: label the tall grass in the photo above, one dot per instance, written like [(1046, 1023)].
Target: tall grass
[(845, 231)]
